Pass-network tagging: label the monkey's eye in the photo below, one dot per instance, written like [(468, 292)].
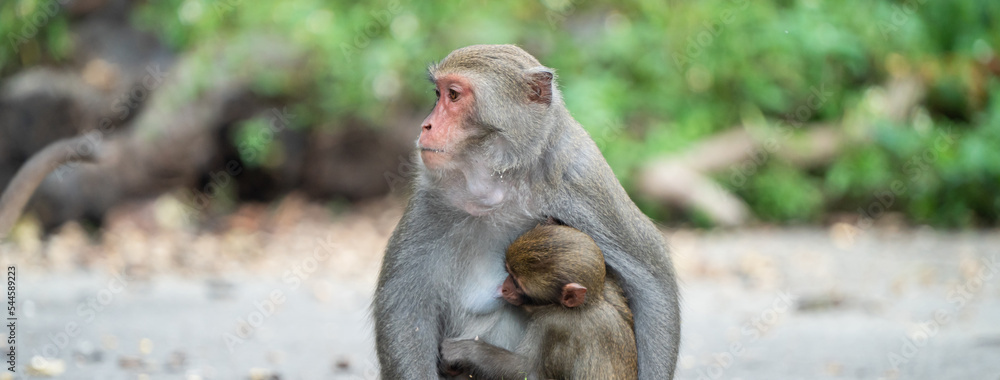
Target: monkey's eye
[(452, 94)]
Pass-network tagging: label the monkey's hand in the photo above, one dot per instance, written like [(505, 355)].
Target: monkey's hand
[(483, 360), (455, 356)]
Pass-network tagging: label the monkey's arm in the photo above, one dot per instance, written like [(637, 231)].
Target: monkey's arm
[(406, 308), (638, 258), (485, 361), (651, 291), (636, 254), (34, 171), (407, 330)]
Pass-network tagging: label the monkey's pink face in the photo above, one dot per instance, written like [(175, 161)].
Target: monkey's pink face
[(511, 291), (442, 132)]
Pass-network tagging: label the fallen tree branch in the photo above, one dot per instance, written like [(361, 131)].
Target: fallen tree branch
[(29, 176), (170, 142), (682, 179)]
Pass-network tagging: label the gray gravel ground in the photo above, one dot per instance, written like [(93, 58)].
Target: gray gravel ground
[(901, 305), (817, 303)]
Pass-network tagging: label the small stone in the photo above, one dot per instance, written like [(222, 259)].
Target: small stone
[(343, 364), (130, 362), (49, 367)]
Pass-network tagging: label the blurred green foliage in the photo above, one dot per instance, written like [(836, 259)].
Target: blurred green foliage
[(649, 77)]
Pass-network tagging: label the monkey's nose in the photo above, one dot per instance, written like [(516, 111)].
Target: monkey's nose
[(427, 127)]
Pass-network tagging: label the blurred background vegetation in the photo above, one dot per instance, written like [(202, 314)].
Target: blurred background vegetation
[(905, 90)]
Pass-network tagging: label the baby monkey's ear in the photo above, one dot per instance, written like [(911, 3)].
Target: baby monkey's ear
[(573, 295)]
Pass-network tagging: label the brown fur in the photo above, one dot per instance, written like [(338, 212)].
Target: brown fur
[(590, 341), (548, 257)]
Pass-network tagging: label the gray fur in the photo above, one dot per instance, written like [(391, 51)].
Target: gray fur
[(532, 160)]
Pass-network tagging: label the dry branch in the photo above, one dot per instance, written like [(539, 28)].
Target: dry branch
[(682, 179), (170, 142)]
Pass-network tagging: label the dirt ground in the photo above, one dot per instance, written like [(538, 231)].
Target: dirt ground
[(281, 292)]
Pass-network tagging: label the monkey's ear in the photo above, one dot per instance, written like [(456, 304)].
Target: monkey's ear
[(540, 85), (573, 295)]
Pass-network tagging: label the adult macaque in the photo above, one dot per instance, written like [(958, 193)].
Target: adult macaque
[(498, 153), (580, 326)]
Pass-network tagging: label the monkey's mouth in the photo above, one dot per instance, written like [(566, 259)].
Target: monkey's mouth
[(431, 150)]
